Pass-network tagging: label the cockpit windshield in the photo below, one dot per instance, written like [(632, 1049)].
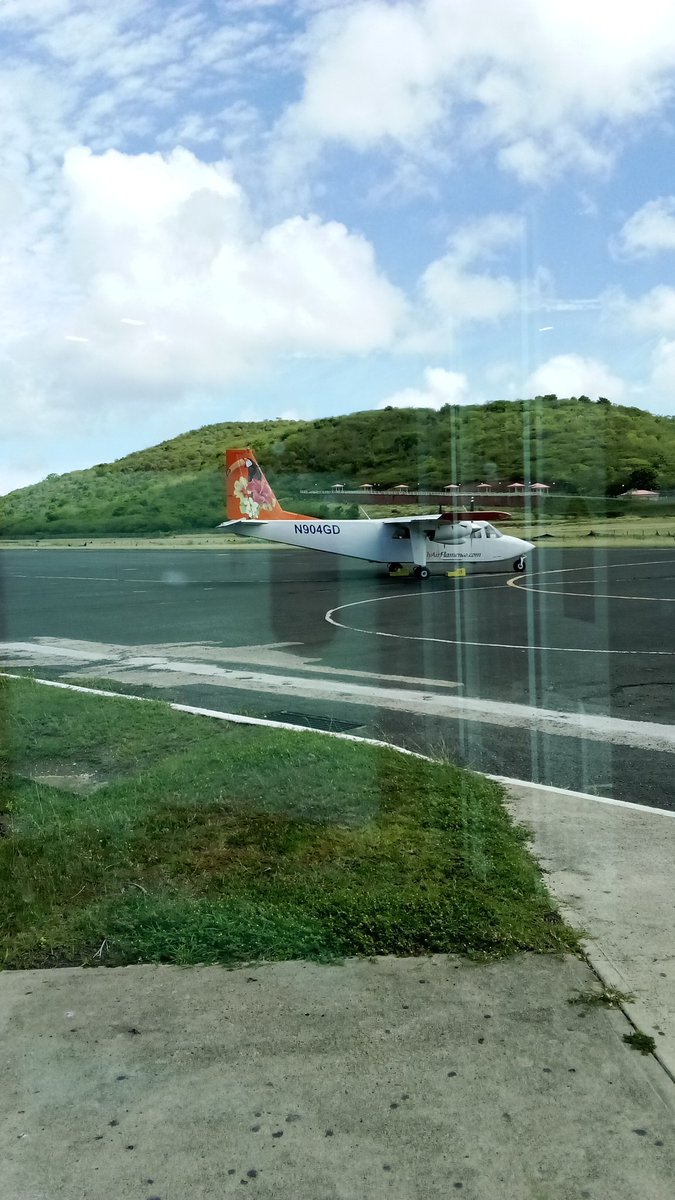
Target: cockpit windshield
[(491, 532)]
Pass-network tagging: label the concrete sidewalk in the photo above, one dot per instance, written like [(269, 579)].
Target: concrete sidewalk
[(612, 870), (413, 1078)]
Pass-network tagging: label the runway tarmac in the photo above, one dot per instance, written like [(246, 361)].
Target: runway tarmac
[(563, 676)]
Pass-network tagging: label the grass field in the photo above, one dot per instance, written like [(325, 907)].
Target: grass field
[(601, 531), (133, 833)]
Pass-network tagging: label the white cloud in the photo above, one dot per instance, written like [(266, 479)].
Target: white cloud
[(651, 313), (387, 53), (467, 297), (662, 382), (441, 387), (214, 296), (450, 293), (574, 375), (485, 237), (544, 85), (650, 230), (526, 159)]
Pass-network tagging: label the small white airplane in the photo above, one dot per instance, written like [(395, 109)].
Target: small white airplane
[(447, 537)]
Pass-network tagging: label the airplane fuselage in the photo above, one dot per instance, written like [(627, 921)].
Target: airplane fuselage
[(378, 541)]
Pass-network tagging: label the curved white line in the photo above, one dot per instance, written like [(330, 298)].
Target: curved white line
[(515, 582), (512, 582), (522, 586), (652, 562)]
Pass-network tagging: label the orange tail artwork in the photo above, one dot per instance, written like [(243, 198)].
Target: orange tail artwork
[(249, 495)]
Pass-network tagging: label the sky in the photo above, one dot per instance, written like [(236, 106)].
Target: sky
[(214, 210)]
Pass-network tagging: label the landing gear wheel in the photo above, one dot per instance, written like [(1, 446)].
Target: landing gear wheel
[(421, 572), (394, 566), (519, 564)]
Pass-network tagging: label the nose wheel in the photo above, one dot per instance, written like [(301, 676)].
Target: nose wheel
[(519, 564)]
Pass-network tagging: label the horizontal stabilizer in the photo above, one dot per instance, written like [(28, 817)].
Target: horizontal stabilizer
[(240, 521)]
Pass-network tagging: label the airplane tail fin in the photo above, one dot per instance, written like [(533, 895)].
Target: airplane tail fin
[(249, 495)]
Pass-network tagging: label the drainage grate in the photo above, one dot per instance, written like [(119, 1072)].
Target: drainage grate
[(313, 722)]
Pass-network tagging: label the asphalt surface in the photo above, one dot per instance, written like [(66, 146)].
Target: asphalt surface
[(589, 633)]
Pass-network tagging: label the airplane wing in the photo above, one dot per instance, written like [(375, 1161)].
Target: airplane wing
[(478, 515), (428, 519), (431, 520)]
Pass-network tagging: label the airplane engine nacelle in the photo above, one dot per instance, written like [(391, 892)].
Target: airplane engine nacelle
[(454, 531)]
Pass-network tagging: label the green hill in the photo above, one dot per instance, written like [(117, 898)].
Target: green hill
[(580, 446)]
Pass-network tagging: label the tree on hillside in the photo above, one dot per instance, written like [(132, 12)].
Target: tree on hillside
[(643, 477), (582, 447)]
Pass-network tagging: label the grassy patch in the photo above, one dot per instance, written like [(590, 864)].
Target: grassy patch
[(607, 997), (216, 843), (643, 1042)]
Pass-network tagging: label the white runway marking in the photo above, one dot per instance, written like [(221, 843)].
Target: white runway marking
[(549, 591), (161, 581), (65, 651), (514, 581), (77, 578), (412, 637), (652, 562), (523, 586), (127, 666)]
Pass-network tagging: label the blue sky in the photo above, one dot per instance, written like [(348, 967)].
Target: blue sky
[(252, 208)]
